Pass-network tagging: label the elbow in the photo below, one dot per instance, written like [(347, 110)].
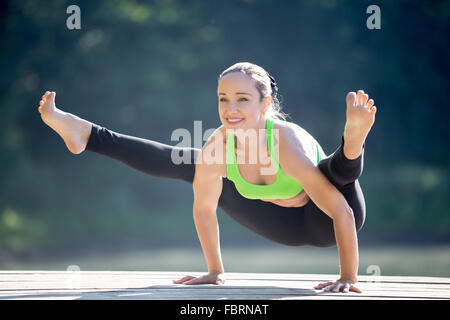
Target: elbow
[(345, 215), (204, 213)]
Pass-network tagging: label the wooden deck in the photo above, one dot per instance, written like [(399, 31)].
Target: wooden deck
[(104, 285)]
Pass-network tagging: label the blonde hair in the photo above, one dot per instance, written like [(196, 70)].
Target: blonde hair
[(265, 84)]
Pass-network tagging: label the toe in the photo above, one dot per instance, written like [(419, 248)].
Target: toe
[(373, 110), (370, 103), (51, 97), (351, 99), (364, 98), (359, 97)]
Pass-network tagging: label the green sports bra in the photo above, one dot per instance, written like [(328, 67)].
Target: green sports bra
[(284, 187)]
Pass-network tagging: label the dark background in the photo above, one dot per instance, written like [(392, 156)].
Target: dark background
[(146, 68)]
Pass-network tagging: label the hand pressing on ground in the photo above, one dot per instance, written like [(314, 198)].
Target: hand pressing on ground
[(210, 278), (339, 285)]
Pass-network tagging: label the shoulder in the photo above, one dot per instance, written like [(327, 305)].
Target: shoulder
[(292, 148), (289, 136), (212, 158)]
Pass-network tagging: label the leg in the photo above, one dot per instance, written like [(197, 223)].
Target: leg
[(308, 224), (344, 167), (343, 174), (151, 157), (296, 226), (340, 170), (279, 224), (154, 158)]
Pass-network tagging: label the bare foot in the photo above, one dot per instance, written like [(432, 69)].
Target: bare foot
[(73, 130), (360, 118)]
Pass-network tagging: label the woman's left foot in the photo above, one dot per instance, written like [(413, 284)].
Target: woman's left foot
[(360, 118)]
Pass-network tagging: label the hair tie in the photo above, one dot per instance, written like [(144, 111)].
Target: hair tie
[(273, 85)]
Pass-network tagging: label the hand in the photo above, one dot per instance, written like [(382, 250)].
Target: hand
[(210, 278), (298, 201), (338, 286)]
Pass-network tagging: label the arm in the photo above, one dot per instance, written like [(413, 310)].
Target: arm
[(327, 198), (207, 187)]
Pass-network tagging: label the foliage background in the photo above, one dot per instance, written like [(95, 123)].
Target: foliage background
[(146, 68)]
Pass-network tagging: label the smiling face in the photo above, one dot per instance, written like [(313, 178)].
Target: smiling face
[(240, 103)]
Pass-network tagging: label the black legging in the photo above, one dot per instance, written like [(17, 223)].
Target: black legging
[(292, 226)]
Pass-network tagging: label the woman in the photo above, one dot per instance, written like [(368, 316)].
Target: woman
[(298, 197)]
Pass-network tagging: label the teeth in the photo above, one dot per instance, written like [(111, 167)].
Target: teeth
[(236, 120)]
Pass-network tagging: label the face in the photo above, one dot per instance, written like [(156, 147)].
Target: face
[(240, 104)]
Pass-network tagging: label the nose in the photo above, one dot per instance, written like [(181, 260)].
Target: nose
[(233, 107)]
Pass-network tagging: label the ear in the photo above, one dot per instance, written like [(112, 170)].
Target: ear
[(266, 103)]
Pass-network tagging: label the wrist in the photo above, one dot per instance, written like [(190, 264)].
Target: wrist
[(351, 278), (216, 271)]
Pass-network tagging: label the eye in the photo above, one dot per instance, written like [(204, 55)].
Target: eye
[(240, 99)]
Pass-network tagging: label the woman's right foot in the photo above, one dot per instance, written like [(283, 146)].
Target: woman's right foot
[(73, 130), (360, 119)]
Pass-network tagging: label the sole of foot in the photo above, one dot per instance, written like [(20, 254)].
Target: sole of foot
[(360, 116), (70, 128)]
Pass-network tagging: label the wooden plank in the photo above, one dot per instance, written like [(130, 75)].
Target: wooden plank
[(231, 284), (158, 285), (232, 275), (145, 294)]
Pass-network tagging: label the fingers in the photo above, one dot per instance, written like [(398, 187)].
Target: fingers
[(194, 281), (203, 280), (330, 287), (346, 288), (338, 286), (323, 285), (355, 289), (184, 279)]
